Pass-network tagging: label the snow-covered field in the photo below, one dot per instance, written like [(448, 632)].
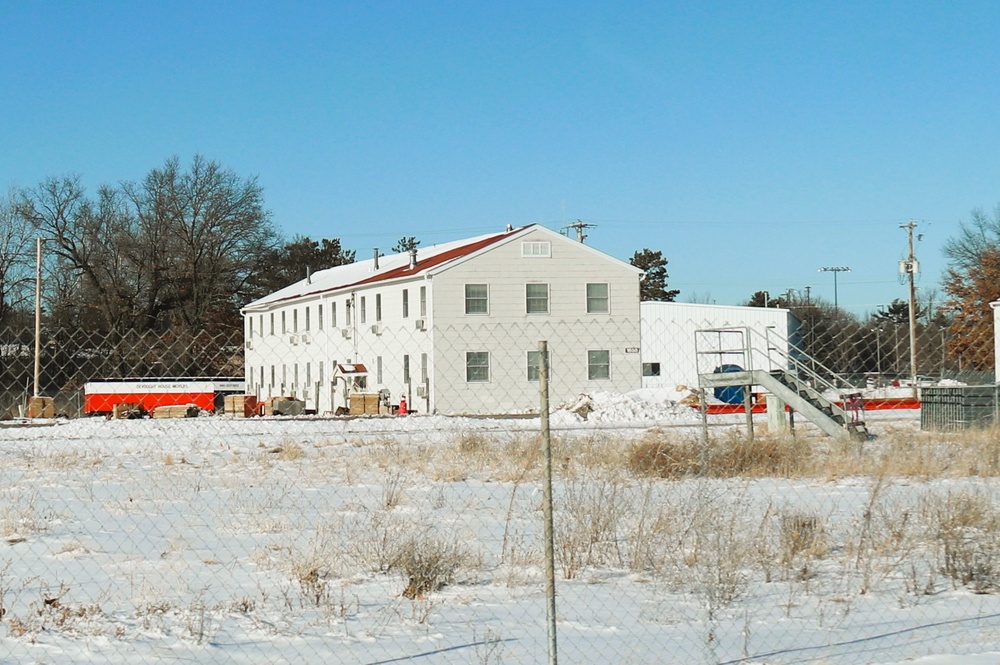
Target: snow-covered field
[(306, 540)]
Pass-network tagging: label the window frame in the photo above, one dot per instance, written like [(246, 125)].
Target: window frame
[(593, 365), (484, 299), (537, 366), (528, 298), (591, 299), (536, 249), (478, 366)]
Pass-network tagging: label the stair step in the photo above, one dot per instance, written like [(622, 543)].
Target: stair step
[(824, 412)]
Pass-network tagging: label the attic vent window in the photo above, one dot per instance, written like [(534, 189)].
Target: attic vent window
[(536, 249)]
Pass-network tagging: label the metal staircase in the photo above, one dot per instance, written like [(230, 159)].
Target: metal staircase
[(771, 362)]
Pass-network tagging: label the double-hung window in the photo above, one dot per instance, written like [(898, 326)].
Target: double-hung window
[(597, 299), (477, 366), (598, 365), (536, 298), (477, 299)]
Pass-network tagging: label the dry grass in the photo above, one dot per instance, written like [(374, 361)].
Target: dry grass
[(803, 535), (968, 536), (895, 454), (587, 528), (429, 564), (664, 455)]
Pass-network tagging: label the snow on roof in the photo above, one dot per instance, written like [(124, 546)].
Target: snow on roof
[(389, 267)]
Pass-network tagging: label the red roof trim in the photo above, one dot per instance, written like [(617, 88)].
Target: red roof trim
[(431, 262), (406, 271)]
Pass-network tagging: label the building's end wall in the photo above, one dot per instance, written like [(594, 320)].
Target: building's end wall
[(996, 339), (668, 339)]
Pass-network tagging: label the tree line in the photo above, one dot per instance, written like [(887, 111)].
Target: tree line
[(187, 247), (955, 335), (181, 248), (184, 247)]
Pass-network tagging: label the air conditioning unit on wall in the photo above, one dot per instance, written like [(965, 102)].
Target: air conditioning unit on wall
[(420, 324), (306, 338), (377, 329), (346, 332), (293, 340), (421, 391), (248, 344)]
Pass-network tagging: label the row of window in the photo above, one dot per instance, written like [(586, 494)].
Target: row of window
[(291, 378), (536, 298), (477, 369), (287, 321), (477, 301), (477, 365)]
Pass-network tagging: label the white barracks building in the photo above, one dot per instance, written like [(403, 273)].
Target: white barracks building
[(454, 327)]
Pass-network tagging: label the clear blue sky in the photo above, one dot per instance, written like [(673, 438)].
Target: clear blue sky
[(751, 142)]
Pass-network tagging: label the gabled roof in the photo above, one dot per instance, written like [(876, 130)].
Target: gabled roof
[(393, 266), (397, 266)]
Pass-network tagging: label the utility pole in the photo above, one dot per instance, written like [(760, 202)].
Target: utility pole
[(910, 267), (580, 225), (38, 315)]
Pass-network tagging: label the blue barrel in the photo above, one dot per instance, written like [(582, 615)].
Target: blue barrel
[(729, 394)]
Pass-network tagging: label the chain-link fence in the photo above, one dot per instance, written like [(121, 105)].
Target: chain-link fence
[(373, 537)]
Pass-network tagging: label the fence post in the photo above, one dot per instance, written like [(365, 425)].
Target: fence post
[(550, 565)]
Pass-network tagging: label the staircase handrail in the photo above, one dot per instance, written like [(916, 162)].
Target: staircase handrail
[(744, 351), (838, 383), (776, 357)]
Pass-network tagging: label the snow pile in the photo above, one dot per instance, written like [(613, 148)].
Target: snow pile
[(643, 406)]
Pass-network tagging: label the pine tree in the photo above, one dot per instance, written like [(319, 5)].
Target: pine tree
[(654, 285)]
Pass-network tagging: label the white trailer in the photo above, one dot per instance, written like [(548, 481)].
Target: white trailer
[(669, 356)]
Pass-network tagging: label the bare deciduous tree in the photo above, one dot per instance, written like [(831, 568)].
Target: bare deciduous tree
[(15, 259), (177, 248)]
